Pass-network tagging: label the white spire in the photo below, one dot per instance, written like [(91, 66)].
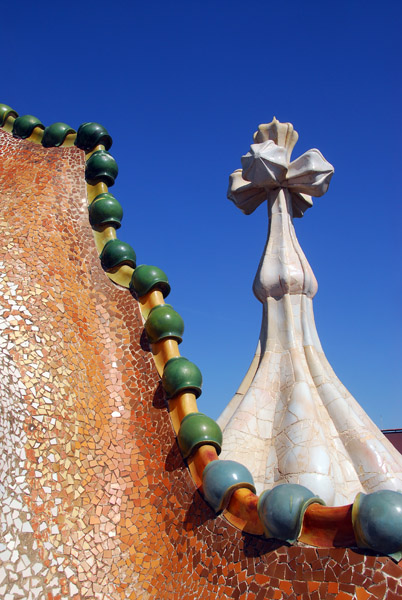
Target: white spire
[(292, 420)]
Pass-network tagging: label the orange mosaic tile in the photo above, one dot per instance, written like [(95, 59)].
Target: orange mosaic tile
[(362, 594), (96, 499)]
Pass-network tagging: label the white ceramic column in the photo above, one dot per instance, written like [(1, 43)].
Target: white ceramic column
[(292, 420)]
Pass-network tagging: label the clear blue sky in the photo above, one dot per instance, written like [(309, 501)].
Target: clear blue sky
[(181, 87)]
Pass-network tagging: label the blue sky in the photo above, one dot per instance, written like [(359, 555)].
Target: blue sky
[(181, 87)]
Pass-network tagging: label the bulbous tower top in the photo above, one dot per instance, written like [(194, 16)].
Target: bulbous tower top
[(282, 134)]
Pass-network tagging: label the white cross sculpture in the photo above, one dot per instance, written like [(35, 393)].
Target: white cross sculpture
[(292, 420)]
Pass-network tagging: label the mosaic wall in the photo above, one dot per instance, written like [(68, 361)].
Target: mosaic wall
[(95, 499)]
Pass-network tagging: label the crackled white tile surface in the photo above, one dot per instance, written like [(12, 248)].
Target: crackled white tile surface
[(292, 420)]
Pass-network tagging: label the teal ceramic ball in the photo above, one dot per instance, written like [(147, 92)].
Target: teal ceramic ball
[(90, 135), (377, 519), (197, 429), (105, 210), (24, 126), (164, 322), (181, 374), (55, 134), (146, 278), (281, 510), (116, 253), (101, 167), (5, 112), (221, 478)]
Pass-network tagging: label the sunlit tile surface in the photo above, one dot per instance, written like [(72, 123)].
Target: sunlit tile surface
[(95, 499)]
